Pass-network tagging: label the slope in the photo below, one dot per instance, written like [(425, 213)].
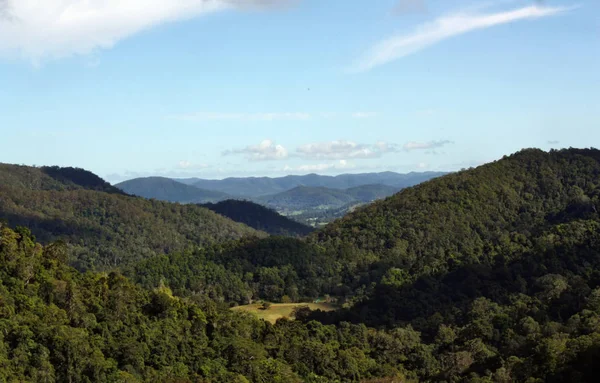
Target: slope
[(259, 217), (105, 229)]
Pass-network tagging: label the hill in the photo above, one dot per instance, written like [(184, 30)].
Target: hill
[(104, 227), (166, 189), (249, 187), (259, 217)]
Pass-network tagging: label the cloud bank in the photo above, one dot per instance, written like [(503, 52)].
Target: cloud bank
[(444, 28), (342, 149), (267, 150), (56, 28)]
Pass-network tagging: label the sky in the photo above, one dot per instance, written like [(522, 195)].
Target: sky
[(219, 88)]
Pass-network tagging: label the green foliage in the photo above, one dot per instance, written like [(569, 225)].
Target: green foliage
[(104, 228)]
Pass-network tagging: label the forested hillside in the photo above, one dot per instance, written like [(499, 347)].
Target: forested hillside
[(59, 325), (259, 217), (497, 269), (104, 227)]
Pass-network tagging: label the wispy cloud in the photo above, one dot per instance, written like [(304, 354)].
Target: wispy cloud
[(208, 116), (444, 28), (553, 142), (56, 28), (414, 145), (342, 149), (267, 150)]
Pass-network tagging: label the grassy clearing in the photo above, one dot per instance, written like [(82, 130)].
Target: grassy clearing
[(280, 310)]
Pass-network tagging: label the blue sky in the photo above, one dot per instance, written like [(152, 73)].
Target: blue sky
[(217, 88)]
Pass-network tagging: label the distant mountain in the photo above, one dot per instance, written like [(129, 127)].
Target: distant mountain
[(166, 189), (104, 227), (304, 198), (259, 217), (261, 186)]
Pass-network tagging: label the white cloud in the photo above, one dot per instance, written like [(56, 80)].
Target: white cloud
[(422, 165), (413, 145), (336, 150), (267, 150), (208, 116), (56, 28), (339, 165), (446, 27), (364, 115)]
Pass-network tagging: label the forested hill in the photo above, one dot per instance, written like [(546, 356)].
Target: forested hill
[(166, 189), (259, 217), (53, 178), (104, 227), (467, 217)]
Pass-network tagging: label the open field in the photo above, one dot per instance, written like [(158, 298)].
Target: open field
[(280, 310)]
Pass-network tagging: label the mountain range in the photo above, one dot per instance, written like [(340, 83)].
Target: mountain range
[(287, 195), (250, 187)]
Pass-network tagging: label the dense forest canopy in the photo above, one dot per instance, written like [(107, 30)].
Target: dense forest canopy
[(487, 275)]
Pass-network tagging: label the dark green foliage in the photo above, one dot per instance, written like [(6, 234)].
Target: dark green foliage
[(259, 217), (59, 325), (246, 270), (166, 189), (104, 229)]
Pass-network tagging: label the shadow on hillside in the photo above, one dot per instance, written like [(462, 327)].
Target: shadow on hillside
[(432, 300)]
